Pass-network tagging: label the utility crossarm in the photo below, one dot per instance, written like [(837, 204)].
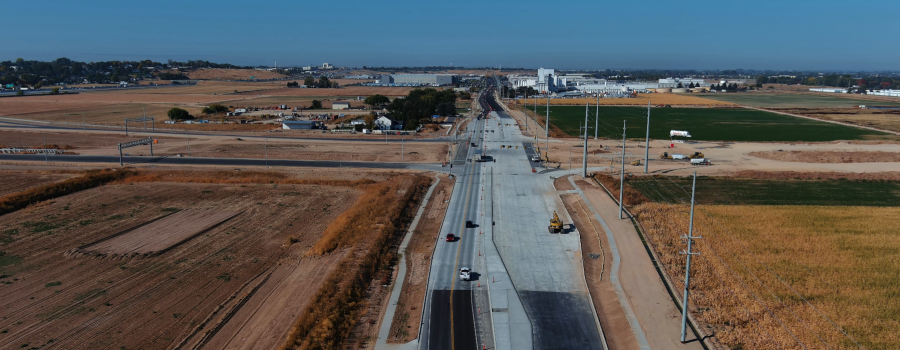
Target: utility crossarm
[(140, 119)]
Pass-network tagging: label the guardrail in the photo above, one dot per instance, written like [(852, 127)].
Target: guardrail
[(32, 150)]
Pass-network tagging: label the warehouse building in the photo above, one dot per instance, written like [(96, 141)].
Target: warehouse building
[(340, 105), (299, 124), (421, 79)]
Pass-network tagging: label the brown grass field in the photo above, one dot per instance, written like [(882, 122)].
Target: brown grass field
[(344, 91), (16, 181), (200, 89), (230, 74), (183, 296), (640, 100), (882, 119), (787, 277), (829, 156)]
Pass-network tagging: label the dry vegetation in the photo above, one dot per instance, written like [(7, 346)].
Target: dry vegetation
[(183, 295), (371, 229), (230, 74), (640, 100), (408, 314), (12, 182), (90, 179), (632, 196), (820, 156), (344, 91), (876, 118), (787, 277)]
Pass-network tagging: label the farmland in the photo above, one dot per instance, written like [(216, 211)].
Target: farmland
[(786, 276), (14, 181), (707, 124), (177, 258), (743, 191), (639, 100), (794, 100)]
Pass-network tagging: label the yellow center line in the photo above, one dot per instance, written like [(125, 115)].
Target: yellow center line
[(456, 264)]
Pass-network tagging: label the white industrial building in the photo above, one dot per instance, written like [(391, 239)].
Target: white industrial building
[(685, 82), (418, 79), (831, 90), (340, 105), (545, 81), (892, 93)]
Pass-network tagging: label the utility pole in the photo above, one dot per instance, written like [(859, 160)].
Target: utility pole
[(266, 147), (584, 158), (622, 176), (526, 110), (83, 127), (401, 148), (597, 117), (45, 149), (687, 270), (647, 144), (547, 122)]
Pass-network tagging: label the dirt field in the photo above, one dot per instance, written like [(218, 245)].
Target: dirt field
[(345, 91), (817, 156), (12, 182), (640, 100), (202, 88), (406, 321), (230, 74), (882, 119), (158, 235), (782, 276), (188, 293)]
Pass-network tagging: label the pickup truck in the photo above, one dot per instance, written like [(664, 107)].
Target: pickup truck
[(535, 158), (465, 274)]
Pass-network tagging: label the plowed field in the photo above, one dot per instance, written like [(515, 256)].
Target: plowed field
[(237, 277)]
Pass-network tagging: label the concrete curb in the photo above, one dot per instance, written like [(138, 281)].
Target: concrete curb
[(388, 319), (583, 275), (614, 275)]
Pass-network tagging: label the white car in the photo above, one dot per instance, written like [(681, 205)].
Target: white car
[(465, 274), (535, 158)]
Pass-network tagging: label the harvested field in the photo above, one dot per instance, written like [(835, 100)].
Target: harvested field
[(407, 317), (101, 113), (796, 100), (413, 152), (230, 74), (829, 156), (180, 296), (640, 100), (157, 235), (877, 118), (344, 91), (787, 277), (18, 181), (200, 89)]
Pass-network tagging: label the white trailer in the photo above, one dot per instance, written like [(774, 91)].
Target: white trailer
[(699, 161)]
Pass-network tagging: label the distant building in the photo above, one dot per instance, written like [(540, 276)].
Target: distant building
[(299, 124), (421, 79), (358, 121), (385, 123), (340, 105), (327, 65)]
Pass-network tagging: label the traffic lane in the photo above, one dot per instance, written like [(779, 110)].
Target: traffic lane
[(204, 161), (463, 321), (561, 320)]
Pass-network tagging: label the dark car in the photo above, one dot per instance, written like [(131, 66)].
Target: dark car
[(469, 224)]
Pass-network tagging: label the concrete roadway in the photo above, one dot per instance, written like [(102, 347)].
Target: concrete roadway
[(546, 269)]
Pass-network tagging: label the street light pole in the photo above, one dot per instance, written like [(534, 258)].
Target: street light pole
[(622, 176), (687, 270), (584, 157), (647, 144), (597, 117), (267, 152)]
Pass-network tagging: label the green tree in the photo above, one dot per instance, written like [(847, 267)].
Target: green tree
[(309, 81), (214, 108), (377, 100), (179, 114), (54, 91), (324, 82), (369, 120), (316, 104), (20, 93)]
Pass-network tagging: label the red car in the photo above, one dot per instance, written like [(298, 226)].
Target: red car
[(451, 237)]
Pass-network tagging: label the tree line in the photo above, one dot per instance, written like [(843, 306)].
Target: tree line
[(418, 107)]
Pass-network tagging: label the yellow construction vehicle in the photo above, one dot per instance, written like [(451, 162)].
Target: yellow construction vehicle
[(556, 225), (696, 155), (665, 155), (636, 162)]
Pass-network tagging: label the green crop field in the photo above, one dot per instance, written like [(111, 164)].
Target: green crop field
[(777, 100), (707, 124), (711, 190)]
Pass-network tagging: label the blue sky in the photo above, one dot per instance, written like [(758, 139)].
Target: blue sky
[(758, 34)]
